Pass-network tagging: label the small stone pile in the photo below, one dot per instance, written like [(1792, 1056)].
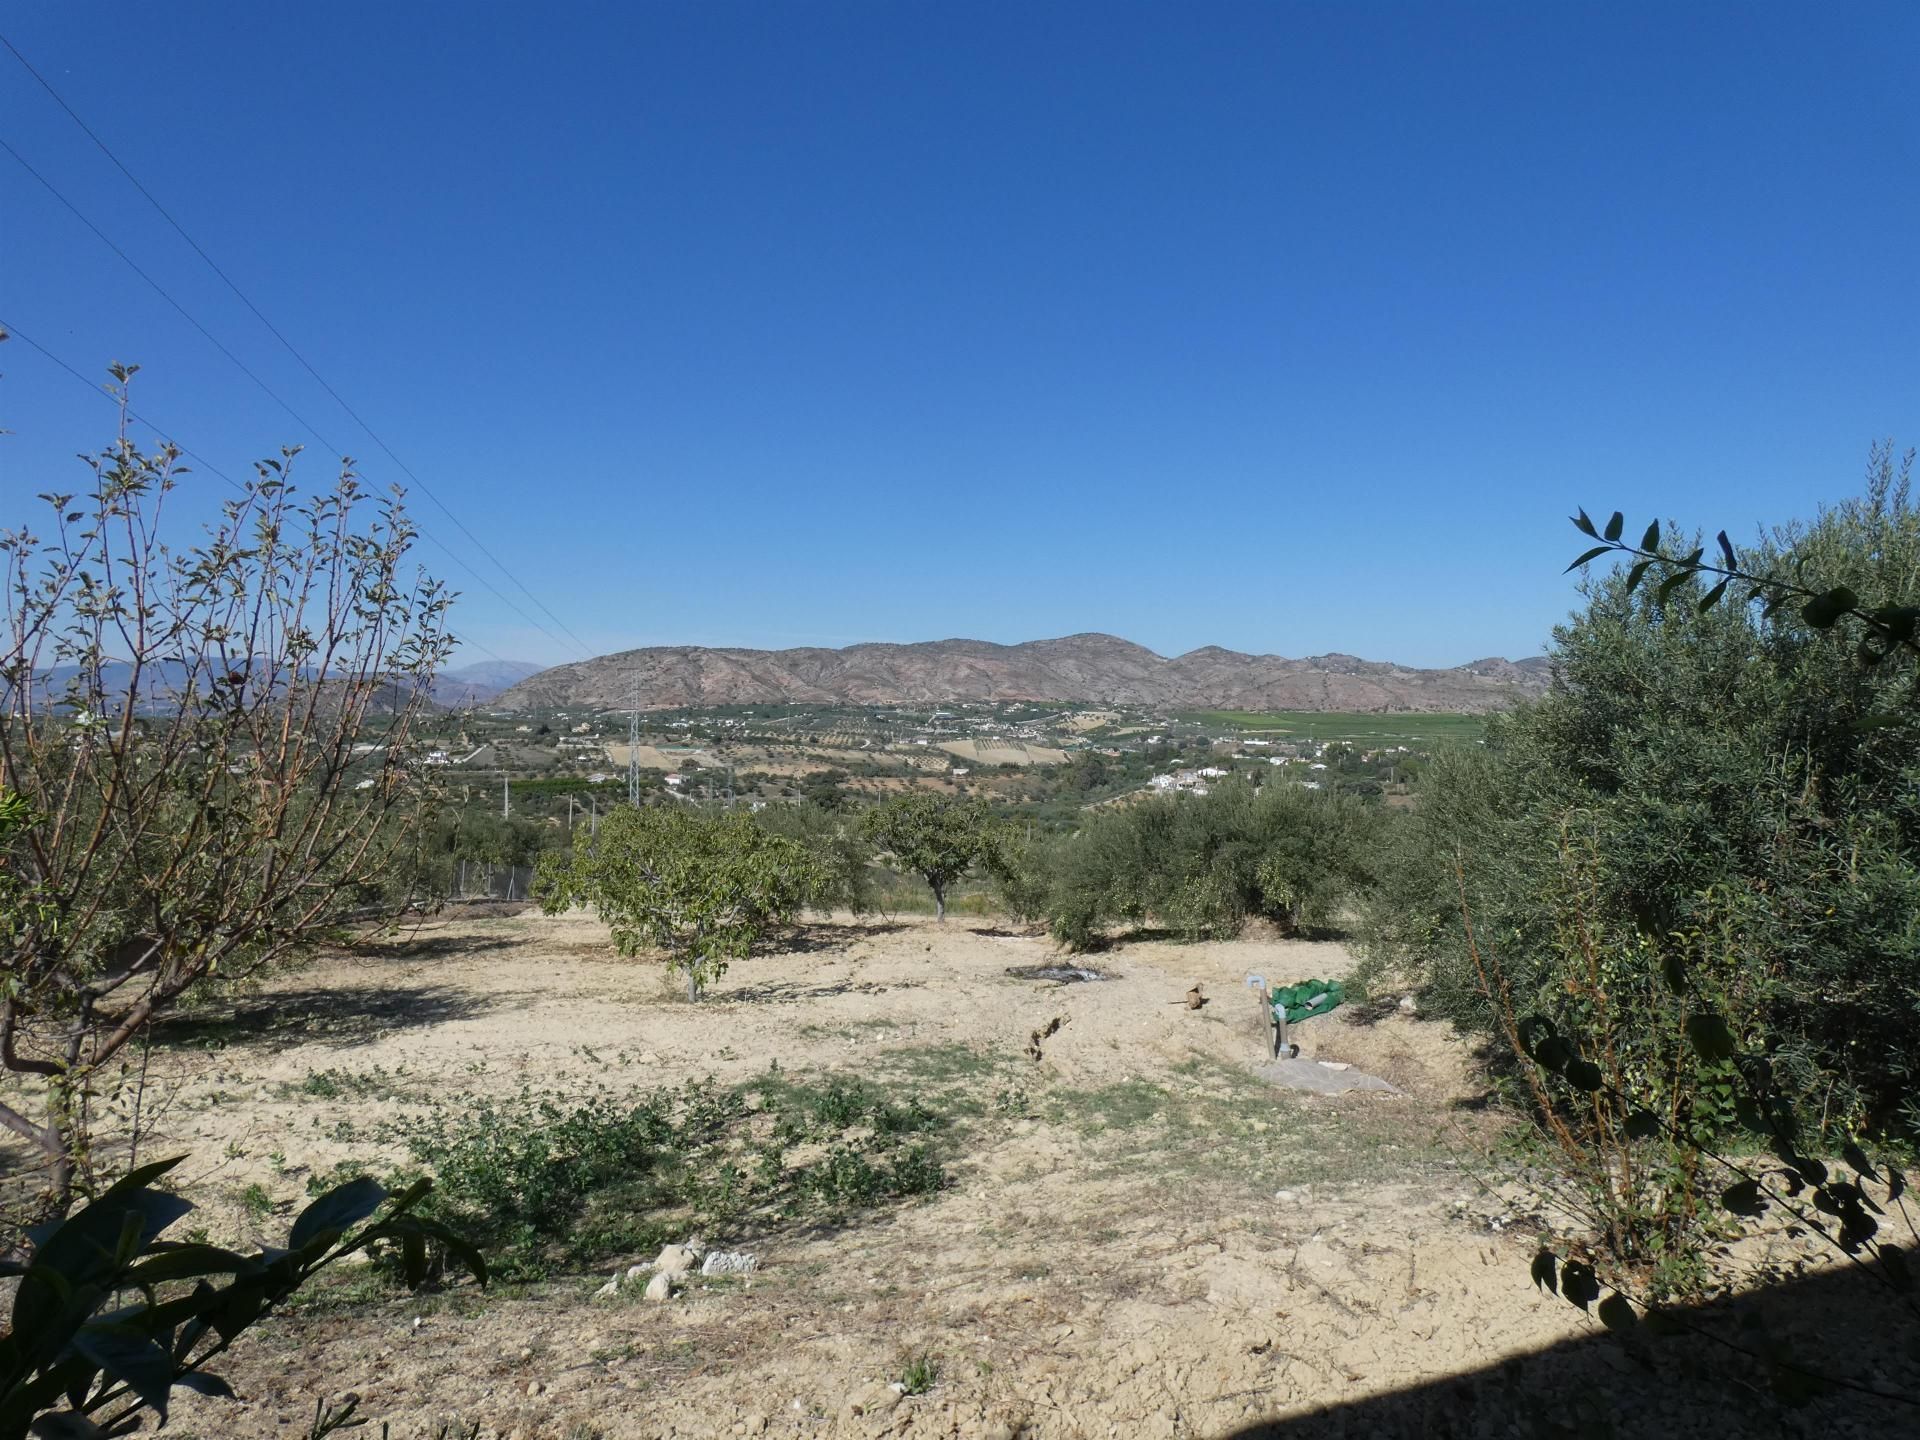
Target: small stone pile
[(668, 1270)]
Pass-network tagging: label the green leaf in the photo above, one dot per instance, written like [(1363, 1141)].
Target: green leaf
[(130, 1357), (1582, 522), (1711, 1037), (1675, 970), (1642, 1125), (1726, 551), (1898, 621), (1636, 575), (334, 1212), (1554, 1054), (1616, 1313), (1743, 1198), (187, 1262), (1651, 540), (1823, 611), (1544, 1277), (1712, 597), (1534, 1029), (1593, 554), (1584, 1075), (1672, 583), (1615, 526)]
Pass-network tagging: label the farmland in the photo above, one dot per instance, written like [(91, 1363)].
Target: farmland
[(1395, 728), (1134, 1224)]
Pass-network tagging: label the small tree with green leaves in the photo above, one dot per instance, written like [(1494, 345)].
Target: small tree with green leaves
[(704, 888), (938, 838)]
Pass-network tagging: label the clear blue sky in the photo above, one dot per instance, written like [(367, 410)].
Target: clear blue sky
[(1286, 327)]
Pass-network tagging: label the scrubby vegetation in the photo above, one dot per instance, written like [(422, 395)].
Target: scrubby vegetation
[(546, 1181), (1202, 865), (1678, 895), (1709, 783)]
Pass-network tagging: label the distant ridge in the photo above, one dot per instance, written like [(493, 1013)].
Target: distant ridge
[(1089, 668)]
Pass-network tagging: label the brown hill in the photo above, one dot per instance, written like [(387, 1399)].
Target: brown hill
[(1100, 668)]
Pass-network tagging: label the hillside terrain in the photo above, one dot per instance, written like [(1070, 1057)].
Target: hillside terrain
[(1074, 668)]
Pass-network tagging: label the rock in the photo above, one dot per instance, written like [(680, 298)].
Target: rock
[(535, 1387), (607, 1291), (673, 1260), (660, 1287), (634, 1272), (730, 1262), (1408, 1006)]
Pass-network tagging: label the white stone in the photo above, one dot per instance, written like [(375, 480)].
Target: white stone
[(730, 1262), (674, 1260), (660, 1287)]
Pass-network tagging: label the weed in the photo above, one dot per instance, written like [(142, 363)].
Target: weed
[(375, 1084), (919, 1375), (256, 1201), (546, 1180)]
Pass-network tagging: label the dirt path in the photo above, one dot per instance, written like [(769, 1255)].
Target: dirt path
[(1140, 1238)]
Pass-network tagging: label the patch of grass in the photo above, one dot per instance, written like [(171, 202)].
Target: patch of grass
[(256, 1201), (550, 1180), (1220, 1123), (919, 1374), (375, 1084)]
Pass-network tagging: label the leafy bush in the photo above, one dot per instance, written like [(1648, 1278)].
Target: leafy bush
[(704, 888), (1719, 771), (1202, 864), (547, 1180)]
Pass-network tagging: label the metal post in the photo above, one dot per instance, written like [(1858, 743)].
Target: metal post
[(633, 747)]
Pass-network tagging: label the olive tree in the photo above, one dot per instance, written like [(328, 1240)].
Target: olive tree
[(936, 837), (704, 888), (179, 716)]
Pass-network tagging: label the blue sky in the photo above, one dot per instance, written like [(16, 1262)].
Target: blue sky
[(1285, 327)]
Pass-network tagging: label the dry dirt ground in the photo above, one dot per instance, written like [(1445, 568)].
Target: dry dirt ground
[(1140, 1238)]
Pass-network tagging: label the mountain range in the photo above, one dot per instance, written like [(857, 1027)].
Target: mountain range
[(1086, 668)]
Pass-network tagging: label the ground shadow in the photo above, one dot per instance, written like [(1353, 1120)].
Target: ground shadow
[(779, 990), (1841, 1327), (425, 947), (340, 1017), (830, 935)]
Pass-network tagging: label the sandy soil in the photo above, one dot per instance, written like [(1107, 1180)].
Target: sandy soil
[(1141, 1238)]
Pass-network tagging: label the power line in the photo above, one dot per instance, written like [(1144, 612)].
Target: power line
[(490, 587), (292, 350), (9, 331)]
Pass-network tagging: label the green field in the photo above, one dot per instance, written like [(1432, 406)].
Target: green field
[(1336, 725)]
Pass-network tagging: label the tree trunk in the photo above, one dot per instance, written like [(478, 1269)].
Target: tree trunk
[(939, 905), (693, 984)]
